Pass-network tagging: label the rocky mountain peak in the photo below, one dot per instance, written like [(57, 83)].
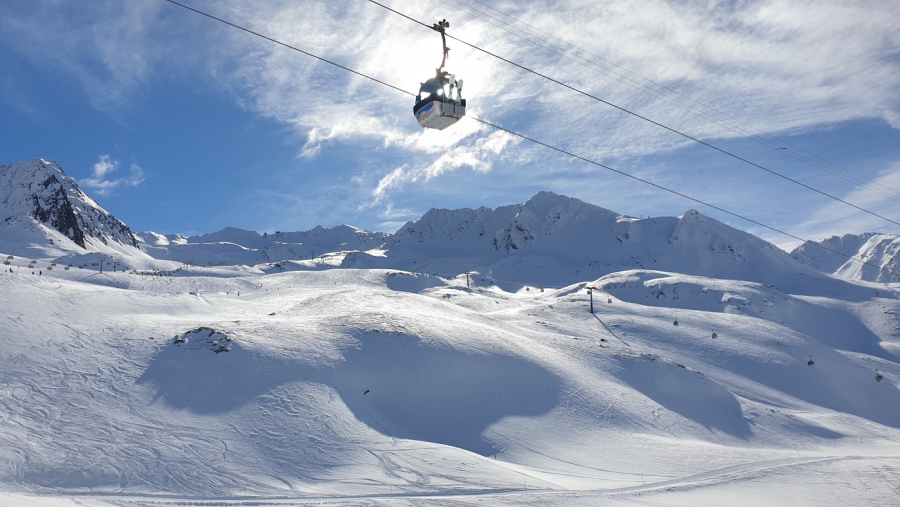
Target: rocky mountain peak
[(38, 192)]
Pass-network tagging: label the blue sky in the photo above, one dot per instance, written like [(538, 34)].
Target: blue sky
[(175, 123)]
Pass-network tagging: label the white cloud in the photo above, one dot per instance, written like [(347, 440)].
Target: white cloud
[(104, 166), (777, 64), (477, 157), (102, 184), (780, 65)]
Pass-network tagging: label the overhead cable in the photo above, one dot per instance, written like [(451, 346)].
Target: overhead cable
[(535, 141), (636, 115), (732, 123)]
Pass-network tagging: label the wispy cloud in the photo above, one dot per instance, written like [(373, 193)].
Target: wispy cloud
[(784, 66), (111, 48), (838, 219), (102, 180), (780, 65), (477, 157)]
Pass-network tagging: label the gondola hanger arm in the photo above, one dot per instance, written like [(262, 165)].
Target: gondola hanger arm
[(441, 26)]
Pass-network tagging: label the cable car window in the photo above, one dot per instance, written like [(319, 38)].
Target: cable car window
[(429, 88)]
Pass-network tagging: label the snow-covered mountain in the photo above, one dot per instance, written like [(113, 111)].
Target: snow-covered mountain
[(879, 251), (235, 246), (42, 210), (150, 238), (555, 240), (550, 240), (704, 366)]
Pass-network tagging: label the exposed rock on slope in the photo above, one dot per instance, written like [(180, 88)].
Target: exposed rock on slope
[(554, 240), (38, 193)]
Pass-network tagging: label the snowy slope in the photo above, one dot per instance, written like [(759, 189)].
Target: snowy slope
[(150, 238), (879, 251), (348, 387), (233, 369)]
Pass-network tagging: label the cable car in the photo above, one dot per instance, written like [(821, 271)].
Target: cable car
[(439, 103)]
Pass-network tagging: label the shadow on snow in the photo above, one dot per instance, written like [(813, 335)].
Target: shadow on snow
[(416, 390)]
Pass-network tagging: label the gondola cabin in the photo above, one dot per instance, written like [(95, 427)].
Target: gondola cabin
[(439, 103)]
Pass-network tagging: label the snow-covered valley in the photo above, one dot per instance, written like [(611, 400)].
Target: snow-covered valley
[(456, 362)]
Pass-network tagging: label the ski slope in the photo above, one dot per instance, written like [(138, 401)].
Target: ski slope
[(454, 362), (474, 394)]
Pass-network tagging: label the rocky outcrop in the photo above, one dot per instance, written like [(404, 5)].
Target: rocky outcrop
[(39, 192)]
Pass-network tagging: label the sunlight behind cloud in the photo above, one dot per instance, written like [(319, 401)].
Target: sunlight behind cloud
[(766, 59)]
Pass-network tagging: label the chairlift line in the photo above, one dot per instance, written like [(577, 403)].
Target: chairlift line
[(535, 141)]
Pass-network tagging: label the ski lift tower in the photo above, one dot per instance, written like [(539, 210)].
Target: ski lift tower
[(591, 294)]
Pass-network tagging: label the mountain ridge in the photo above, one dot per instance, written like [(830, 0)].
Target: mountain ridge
[(549, 240), (571, 240), (841, 256)]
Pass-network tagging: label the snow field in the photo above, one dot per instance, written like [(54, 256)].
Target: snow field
[(473, 393)]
